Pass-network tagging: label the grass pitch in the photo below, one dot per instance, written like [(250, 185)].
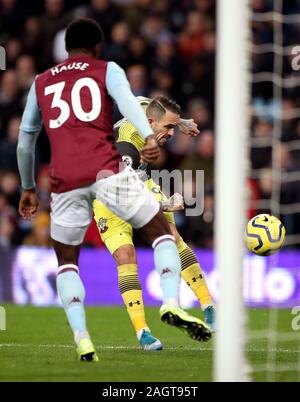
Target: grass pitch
[(37, 346)]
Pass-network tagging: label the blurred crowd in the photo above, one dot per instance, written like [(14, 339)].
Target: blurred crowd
[(166, 47)]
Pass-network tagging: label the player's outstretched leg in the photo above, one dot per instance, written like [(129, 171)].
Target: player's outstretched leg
[(117, 237), (168, 265), (71, 292), (191, 272), (131, 292), (142, 211)]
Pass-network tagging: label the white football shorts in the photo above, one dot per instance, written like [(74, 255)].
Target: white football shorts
[(123, 193)]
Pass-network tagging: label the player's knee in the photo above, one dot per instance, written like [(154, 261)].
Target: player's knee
[(68, 257), (125, 255), (66, 254), (157, 227)]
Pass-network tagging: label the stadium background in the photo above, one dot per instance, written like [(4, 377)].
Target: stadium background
[(166, 47)]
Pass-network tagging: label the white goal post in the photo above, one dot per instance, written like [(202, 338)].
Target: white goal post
[(232, 100)]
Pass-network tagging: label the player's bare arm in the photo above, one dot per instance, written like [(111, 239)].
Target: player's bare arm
[(28, 134), (188, 127)]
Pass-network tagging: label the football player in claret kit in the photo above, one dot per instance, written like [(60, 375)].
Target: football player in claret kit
[(163, 115), (74, 102)]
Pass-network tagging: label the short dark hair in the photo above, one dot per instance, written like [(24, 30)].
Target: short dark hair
[(83, 33), (160, 104)]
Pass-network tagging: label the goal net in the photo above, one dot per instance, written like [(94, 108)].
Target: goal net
[(258, 64), (275, 171)]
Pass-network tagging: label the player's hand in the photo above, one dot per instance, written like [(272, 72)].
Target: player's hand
[(28, 204), (174, 203), (188, 127), (150, 152)]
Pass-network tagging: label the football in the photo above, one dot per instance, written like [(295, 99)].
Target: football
[(264, 234)]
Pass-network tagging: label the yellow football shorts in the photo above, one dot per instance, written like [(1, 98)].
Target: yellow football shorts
[(114, 231)]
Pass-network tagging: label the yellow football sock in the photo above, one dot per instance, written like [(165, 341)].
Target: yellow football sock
[(191, 272), (131, 291)]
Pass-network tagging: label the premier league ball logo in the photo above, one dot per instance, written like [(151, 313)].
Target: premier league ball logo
[(102, 225)]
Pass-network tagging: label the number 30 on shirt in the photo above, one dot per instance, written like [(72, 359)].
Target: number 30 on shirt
[(57, 90)]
